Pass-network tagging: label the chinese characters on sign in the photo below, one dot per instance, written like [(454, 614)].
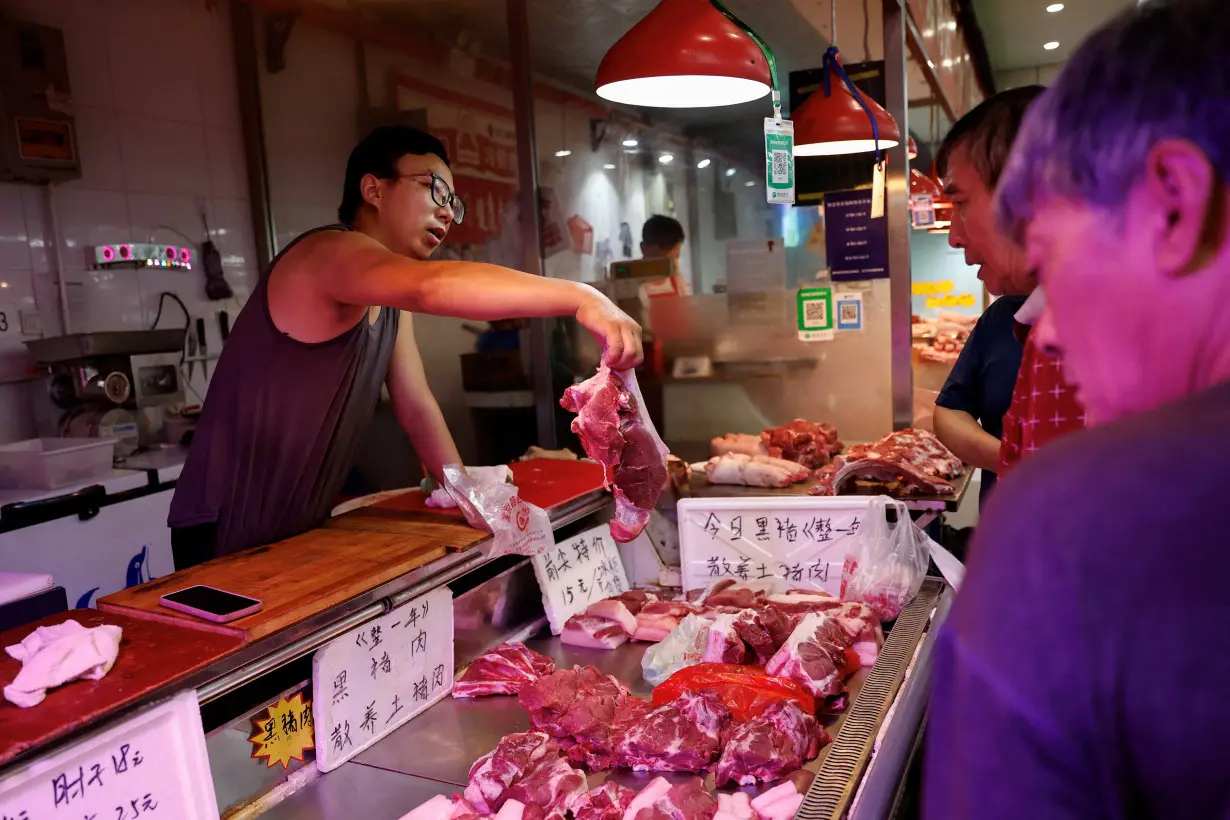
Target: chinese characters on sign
[(578, 572), (856, 245), (380, 675), (284, 731), (795, 542), (153, 765)]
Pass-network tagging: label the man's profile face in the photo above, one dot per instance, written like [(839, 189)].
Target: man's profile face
[(407, 211), (1001, 265)]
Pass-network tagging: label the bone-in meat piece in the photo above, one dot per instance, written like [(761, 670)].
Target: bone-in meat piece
[(815, 656), (515, 757), (503, 671), (617, 433), (770, 746), (915, 458), (682, 736)]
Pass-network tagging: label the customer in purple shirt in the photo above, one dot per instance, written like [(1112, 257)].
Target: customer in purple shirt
[(1081, 672)]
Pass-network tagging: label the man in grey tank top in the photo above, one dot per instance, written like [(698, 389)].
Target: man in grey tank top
[(299, 379)]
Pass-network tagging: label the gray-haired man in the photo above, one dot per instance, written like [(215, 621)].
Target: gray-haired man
[(1078, 675)]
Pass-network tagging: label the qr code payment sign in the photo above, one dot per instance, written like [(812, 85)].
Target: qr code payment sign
[(848, 313), (815, 313), (781, 167)]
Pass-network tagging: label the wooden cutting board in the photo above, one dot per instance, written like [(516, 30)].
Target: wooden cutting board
[(295, 579), (153, 656)]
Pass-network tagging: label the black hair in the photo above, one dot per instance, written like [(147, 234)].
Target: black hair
[(378, 154), (662, 231), (988, 132)]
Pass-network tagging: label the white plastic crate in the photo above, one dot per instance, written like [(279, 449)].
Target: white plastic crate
[(50, 463)]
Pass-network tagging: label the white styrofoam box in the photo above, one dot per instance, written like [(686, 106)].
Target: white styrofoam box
[(794, 541), (154, 761), (48, 463)]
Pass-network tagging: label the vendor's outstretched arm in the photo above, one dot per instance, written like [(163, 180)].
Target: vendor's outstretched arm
[(358, 270), (416, 408), (961, 433)]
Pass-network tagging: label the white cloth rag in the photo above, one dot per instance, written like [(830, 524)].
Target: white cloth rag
[(55, 655), (486, 476)]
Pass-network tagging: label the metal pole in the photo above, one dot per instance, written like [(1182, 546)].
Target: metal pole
[(247, 72), (897, 212), (531, 228)]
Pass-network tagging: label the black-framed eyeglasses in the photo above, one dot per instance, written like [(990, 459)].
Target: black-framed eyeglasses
[(442, 195)]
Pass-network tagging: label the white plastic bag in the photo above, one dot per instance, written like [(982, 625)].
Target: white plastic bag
[(887, 565), (684, 646), (440, 499), (519, 527)]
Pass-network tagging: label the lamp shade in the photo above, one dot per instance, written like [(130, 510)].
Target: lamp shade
[(835, 123), (684, 54), (913, 149)]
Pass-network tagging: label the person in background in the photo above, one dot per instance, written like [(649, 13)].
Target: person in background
[(330, 323), (970, 409), (1044, 405), (1077, 675), (662, 238)]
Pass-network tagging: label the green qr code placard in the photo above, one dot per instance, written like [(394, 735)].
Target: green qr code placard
[(815, 309)]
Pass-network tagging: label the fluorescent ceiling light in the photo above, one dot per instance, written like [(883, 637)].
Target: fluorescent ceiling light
[(563, 153), (666, 159), (704, 163), (1051, 46), (630, 143), (1054, 7)]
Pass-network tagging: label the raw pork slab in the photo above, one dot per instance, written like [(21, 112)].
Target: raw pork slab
[(682, 736), (516, 757), (770, 746), (503, 671), (607, 802), (815, 656), (617, 433), (687, 801)]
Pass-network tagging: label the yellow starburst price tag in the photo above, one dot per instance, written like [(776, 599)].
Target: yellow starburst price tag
[(285, 732)]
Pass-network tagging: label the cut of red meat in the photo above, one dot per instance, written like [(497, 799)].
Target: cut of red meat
[(593, 633), (617, 433), (682, 736), (816, 656), (607, 802), (687, 801), (771, 746), (613, 609), (803, 442), (765, 630), (916, 458), (801, 603), (515, 757), (503, 671), (725, 645), (635, 599), (555, 788), (735, 595), (862, 626), (586, 707)]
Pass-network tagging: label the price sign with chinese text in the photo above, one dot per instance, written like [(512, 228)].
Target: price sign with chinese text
[(283, 732), (798, 541), (151, 765), (378, 676), (577, 572)]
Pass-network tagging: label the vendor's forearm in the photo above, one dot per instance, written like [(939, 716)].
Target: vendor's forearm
[(961, 433), (429, 433)]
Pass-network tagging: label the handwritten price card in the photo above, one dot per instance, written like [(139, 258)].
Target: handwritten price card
[(376, 677), (152, 765), (797, 542), (578, 572)]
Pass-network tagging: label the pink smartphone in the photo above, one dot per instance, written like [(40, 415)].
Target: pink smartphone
[(210, 603)]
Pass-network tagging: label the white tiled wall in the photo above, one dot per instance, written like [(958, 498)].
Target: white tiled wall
[(157, 115)]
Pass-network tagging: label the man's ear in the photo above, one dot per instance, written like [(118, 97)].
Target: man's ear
[(1185, 198), (371, 189)]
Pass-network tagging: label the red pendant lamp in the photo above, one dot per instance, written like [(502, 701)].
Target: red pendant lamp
[(684, 54), (920, 183), (913, 148), (834, 121)]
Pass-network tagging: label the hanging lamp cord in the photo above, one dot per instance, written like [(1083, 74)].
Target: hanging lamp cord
[(832, 65), (764, 47)]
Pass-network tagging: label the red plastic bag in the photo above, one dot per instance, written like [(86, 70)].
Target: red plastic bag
[(746, 690)]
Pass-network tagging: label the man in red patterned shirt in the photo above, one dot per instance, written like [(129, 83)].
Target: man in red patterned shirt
[(1044, 405)]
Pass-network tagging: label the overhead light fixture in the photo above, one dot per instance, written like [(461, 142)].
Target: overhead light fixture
[(631, 143), (834, 121), (750, 183), (912, 149), (951, 25), (1051, 46), (920, 183), (704, 163), (1054, 7), (666, 159), (928, 32), (609, 166), (563, 153), (730, 172), (684, 54), (947, 63)]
